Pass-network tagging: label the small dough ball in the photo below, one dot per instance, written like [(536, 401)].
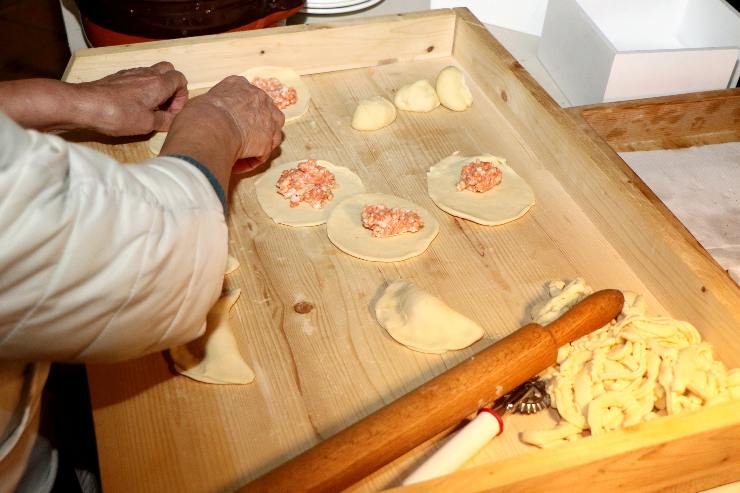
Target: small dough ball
[(373, 113), (452, 90), (419, 96)]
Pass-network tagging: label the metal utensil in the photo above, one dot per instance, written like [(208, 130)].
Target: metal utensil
[(529, 398)]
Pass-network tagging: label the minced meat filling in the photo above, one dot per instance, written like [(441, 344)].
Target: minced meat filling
[(309, 183), (282, 95), (386, 221), (479, 176)]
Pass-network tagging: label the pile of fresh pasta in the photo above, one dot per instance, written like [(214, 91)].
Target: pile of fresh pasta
[(635, 369)]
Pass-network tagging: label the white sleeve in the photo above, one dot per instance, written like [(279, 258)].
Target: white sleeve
[(102, 261)]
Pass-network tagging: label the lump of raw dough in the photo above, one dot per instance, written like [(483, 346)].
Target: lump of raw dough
[(419, 96), (422, 322), (373, 113), (452, 91), (214, 357)]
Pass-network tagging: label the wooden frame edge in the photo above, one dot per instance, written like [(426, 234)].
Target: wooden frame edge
[(265, 32), (642, 456), (207, 59), (667, 122)]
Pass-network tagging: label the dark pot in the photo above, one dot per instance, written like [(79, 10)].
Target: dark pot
[(109, 22)]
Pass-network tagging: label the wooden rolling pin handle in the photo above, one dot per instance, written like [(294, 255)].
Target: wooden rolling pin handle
[(593, 312), (437, 405)]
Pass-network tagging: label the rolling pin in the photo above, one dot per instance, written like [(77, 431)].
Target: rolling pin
[(437, 405)]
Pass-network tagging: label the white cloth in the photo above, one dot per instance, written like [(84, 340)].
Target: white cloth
[(701, 186), (99, 261)]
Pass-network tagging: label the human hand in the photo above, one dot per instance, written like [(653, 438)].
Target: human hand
[(258, 121), (135, 101), (233, 121)]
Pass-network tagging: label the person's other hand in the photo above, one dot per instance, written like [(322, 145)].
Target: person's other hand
[(135, 101)]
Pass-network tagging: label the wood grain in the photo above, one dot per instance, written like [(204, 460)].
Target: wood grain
[(320, 371), (667, 122), (385, 435)]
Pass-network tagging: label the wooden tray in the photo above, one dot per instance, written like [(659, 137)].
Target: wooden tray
[(319, 372)]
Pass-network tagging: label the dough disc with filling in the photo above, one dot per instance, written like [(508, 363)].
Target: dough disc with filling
[(346, 232), (290, 78), (509, 200), (278, 207), (422, 322)]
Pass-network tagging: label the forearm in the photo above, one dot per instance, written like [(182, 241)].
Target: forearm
[(45, 104), (123, 260), (206, 134)]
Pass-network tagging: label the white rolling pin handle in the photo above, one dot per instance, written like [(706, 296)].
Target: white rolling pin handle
[(460, 448)]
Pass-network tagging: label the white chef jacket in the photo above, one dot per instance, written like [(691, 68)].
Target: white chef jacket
[(98, 262)]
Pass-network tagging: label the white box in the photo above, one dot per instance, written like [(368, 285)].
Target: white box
[(599, 51), (525, 16)]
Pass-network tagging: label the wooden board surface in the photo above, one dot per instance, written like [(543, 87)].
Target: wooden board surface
[(321, 371)]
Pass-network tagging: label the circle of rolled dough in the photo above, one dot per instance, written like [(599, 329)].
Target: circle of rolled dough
[(509, 200), (278, 207), (290, 78), (346, 232)]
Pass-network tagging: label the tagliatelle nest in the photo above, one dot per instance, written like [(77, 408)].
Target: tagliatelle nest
[(635, 369)]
